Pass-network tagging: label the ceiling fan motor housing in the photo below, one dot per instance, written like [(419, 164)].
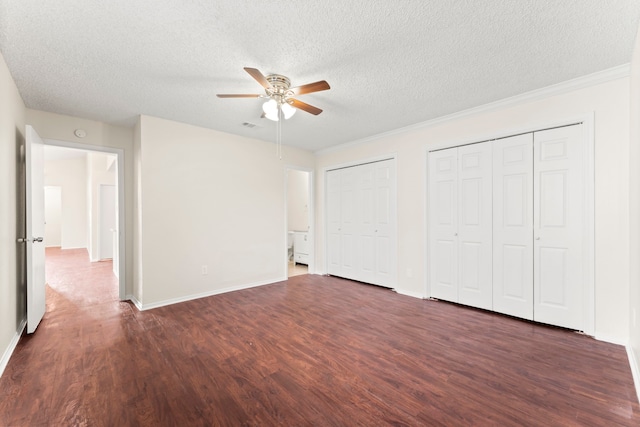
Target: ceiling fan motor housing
[(280, 87)]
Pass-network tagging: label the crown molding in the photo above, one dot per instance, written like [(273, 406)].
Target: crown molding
[(578, 83)]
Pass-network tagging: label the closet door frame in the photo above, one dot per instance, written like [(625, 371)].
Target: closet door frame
[(325, 170), (588, 168)]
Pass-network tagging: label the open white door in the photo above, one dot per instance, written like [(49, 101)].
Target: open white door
[(34, 158)]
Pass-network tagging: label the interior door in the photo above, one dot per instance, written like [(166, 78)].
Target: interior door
[(34, 158), (385, 223), (443, 214), (475, 225), (513, 226), (349, 254), (367, 222), (333, 222), (558, 227)]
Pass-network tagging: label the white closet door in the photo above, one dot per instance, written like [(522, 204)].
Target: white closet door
[(334, 195), (367, 206), (558, 226), (349, 224), (443, 215), (385, 223), (475, 225), (513, 226)]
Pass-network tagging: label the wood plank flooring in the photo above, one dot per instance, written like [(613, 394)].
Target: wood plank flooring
[(312, 350)]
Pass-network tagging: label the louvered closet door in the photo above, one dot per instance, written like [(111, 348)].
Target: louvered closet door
[(558, 227), (443, 218), (475, 225), (513, 226)]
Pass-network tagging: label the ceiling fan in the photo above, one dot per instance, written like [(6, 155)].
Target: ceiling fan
[(281, 95)]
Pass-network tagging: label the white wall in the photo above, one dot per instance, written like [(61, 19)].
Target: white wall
[(609, 101), (71, 176), (61, 127), (209, 199), (634, 214), (98, 173), (52, 216), (12, 284), (297, 200)]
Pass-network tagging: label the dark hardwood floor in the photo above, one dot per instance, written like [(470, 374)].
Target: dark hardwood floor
[(309, 351)]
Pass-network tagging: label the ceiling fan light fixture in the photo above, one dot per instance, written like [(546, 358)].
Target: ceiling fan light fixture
[(270, 109), (288, 111)]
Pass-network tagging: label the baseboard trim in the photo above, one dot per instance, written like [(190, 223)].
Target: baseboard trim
[(135, 301), (12, 346), (635, 370), (610, 339), (143, 307), (409, 293)]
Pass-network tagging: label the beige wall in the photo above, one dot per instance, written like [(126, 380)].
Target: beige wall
[(61, 127), (71, 176), (609, 101), (12, 286), (210, 199), (634, 210)]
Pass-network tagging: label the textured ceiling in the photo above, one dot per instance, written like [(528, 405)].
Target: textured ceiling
[(390, 64)]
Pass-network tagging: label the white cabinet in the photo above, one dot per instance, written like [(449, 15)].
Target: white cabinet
[(361, 223), (507, 226), (301, 247)]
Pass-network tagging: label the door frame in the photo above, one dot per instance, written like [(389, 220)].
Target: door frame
[(588, 121), (119, 153), (310, 214)]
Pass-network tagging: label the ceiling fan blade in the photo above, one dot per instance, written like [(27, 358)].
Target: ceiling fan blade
[(311, 87), (237, 96), (260, 78), (305, 107)]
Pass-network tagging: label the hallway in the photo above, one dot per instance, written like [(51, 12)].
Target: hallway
[(74, 283)]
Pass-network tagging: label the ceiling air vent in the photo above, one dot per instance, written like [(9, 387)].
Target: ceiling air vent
[(249, 125)]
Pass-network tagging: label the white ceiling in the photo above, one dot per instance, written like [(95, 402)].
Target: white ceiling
[(390, 64)]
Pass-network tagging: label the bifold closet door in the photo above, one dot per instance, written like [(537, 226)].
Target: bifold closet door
[(475, 225), (443, 224), (513, 226), (460, 224), (361, 223), (342, 199), (559, 208), (376, 189)]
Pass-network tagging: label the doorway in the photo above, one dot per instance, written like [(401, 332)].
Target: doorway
[(91, 207), (299, 237)]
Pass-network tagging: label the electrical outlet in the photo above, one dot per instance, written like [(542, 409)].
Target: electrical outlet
[(205, 270)]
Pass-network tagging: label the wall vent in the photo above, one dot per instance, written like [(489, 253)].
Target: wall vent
[(249, 125)]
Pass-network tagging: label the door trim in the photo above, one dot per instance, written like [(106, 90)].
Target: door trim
[(588, 121), (122, 238)]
